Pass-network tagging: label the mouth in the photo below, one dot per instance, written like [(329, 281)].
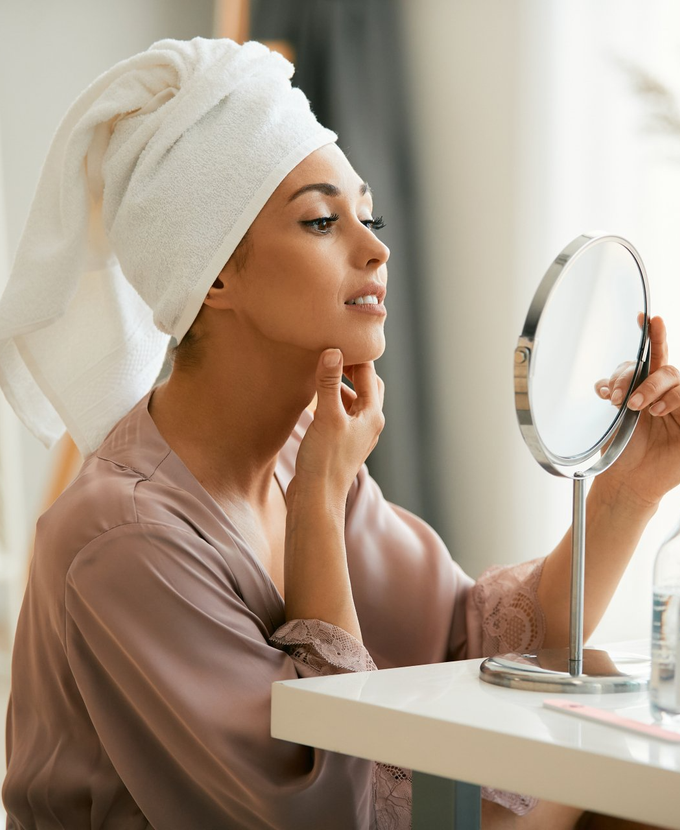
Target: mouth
[(367, 304), (369, 295), (368, 299)]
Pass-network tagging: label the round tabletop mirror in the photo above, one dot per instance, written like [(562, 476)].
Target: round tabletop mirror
[(588, 317), (587, 321)]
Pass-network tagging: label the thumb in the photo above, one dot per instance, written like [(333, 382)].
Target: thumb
[(329, 378)]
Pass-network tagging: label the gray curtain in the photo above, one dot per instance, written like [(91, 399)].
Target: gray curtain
[(349, 63)]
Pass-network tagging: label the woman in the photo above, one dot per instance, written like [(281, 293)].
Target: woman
[(222, 536)]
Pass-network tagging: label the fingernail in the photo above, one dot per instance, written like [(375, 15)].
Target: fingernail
[(332, 358), (617, 396), (604, 391), (635, 401), (658, 408)]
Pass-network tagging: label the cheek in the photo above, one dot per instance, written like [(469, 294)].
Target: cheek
[(294, 293), (304, 274), (288, 263), (293, 302)]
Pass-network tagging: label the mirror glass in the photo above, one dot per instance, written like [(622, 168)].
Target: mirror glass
[(588, 327)]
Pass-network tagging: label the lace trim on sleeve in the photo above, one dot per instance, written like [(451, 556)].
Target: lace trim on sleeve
[(507, 601), (512, 620), (393, 799), (519, 804), (320, 648), (392, 796)]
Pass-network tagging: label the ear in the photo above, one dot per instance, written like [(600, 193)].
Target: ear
[(218, 294)]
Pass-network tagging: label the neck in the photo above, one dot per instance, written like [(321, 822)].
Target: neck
[(227, 419)]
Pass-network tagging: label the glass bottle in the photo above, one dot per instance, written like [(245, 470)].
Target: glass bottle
[(664, 689)]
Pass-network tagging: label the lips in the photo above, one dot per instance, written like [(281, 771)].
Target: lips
[(372, 289)]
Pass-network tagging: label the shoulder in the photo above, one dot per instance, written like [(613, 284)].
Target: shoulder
[(147, 559), (100, 498), (112, 505)]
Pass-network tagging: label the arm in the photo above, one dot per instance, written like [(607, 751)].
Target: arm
[(623, 499), (345, 429), (316, 575), (614, 525)]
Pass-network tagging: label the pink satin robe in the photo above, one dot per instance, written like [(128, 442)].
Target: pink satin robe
[(150, 636)]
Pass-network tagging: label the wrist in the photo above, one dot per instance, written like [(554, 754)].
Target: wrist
[(309, 493), (617, 495)]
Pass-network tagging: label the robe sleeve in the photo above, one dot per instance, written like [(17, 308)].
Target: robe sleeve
[(503, 613), (319, 648), (176, 673)]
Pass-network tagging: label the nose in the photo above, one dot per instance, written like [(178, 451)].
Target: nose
[(374, 249), (383, 251)]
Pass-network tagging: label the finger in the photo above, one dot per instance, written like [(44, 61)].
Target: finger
[(348, 392), (602, 387), (348, 371), (381, 390), (620, 381), (667, 404), (605, 386), (659, 344), (364, 380), (329, 381), (348, 397), (655, 388)]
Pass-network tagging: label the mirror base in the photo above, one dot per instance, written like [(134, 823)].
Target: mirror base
[(548, 671)]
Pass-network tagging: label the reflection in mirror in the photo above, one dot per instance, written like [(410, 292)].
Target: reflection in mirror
[(589, 327)]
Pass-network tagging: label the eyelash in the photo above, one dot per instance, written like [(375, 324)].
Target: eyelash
[(374, 224)]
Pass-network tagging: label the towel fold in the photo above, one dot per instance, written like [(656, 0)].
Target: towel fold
[(152, 179)]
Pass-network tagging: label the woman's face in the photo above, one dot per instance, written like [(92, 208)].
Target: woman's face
[(311, 251)]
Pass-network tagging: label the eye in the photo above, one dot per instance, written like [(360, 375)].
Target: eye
[(376, 224), (322, 224)]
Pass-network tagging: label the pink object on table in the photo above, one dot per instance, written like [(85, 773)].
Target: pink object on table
[(651, 730)]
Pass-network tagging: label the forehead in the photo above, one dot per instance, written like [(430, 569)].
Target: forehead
[(327, 164)]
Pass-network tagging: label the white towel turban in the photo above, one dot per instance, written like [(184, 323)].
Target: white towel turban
[(153, 177)]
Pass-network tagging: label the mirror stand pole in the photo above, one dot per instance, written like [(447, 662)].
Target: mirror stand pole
[(578, 549), (572, 669)]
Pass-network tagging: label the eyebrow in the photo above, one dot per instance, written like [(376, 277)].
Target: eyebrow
[(328, 190)]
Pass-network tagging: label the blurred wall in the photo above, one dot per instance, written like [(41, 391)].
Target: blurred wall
[(529, 133), (49, 53)]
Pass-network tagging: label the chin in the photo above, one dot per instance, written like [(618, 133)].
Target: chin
[(370, 351)]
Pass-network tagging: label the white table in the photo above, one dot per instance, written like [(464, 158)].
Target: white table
[(442, 720)]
